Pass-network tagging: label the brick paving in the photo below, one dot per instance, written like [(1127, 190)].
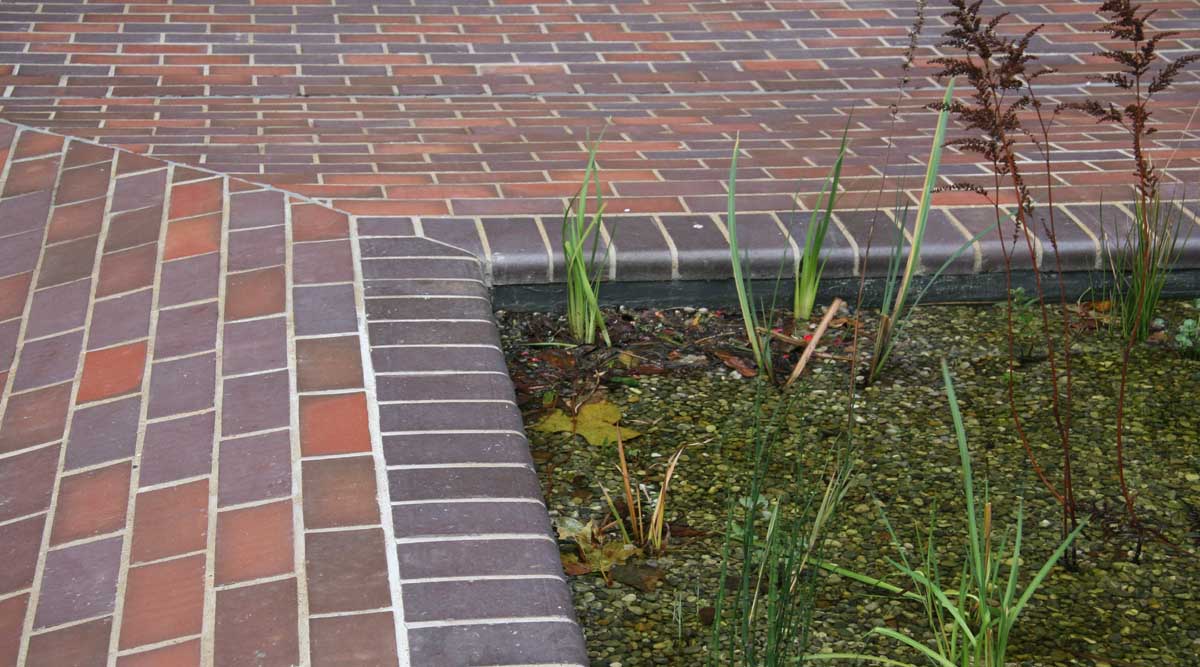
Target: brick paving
[(228, 441), (471, 119), (254, 409)]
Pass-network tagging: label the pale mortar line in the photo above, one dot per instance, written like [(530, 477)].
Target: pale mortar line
[(198, 302), (539, 664), (449, 320), (383, 490), (299, 565), (208, 619), (418, 625), (609, 249), (175, 482), (178, 357), (417, 373), (329, 283), (1188, 214), (139, 444), (56, 334), (68, 624), (671, 247), (427, 297), (440, 346), (340, 334), (252, 503), (356, 612), (442, 401), (481, 537), (976, 246), (157, 645), (452, 466), (248, 374), (189, 304), (541, 230), (429, 280), (484, 577), (32, 448), (431, 373), (457, 432), (429, 320), (469, 499), (485, 252), (44, 546), (233, 585), (856, 268), (791, 242), (454, 258), (167, 559), (342, 529), (345, 455), (332, 392), (13, 594), (99, 537), (1096, 241), (178, 415), (95, 466), (19, 519)]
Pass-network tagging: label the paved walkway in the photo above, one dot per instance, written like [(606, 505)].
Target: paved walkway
[(253, 407), (471, 119), (204, 459)]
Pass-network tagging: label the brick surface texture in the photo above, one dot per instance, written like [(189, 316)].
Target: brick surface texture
[(253, 409)]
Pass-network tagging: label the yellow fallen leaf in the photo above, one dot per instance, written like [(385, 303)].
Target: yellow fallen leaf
[(596, 422)]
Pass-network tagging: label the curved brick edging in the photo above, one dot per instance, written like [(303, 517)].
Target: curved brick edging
[(671, 248), (481, 578), (191, 463)]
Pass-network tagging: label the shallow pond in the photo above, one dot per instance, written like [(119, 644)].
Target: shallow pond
[(671, 375)]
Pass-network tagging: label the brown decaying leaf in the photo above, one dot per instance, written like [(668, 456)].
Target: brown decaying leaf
[(737, 363), (563, 360)]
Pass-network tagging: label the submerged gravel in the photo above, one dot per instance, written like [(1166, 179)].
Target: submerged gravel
[(1111, 612)]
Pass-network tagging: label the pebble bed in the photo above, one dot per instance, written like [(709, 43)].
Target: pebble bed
[(1110, 612)]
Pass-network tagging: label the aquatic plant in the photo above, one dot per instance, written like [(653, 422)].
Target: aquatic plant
[(1140, 263), (894, 316), (1152, 243), (765, 620), (893, 312), (1187, 338), (1001, 74), (808, 274), (1138, 279), (758, 336), (972, 619), (596, 548), (583, 272), (644, 532), (1025, 314)]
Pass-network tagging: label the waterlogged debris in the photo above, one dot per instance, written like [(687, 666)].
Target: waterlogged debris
[(642, 577), (742, 366), (596, 554), (596, 422)]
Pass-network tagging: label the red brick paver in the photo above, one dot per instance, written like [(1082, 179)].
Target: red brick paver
[(156, 468), (470, 117), (230, 429)]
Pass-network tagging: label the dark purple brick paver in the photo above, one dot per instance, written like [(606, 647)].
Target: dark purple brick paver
[(214, 300), (167, 380), (472, 454), (80, 581)]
